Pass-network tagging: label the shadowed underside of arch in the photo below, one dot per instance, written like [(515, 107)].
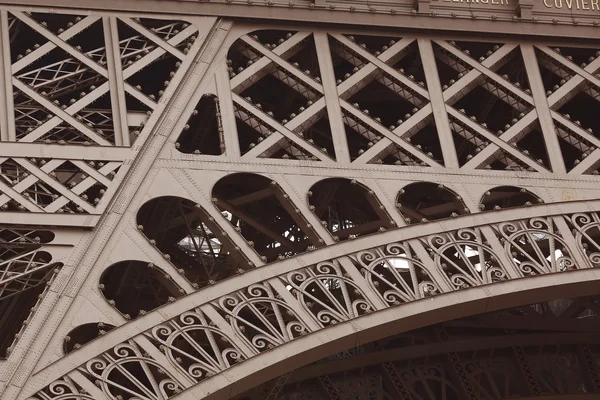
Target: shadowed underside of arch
[(533, 351)]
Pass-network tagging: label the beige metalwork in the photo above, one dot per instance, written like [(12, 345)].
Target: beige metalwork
[(199, 198)]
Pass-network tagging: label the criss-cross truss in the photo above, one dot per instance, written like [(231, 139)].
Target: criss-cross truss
[(204, 207)]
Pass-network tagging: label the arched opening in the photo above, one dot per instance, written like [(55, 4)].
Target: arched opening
[(544, 349), (191, 238), (264, 215), (26, 275), (84, 334), (507, 197), (347, 208), (203, 133), (426, 201), (136, 287)]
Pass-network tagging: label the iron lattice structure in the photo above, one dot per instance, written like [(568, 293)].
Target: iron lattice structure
[(196, 205)]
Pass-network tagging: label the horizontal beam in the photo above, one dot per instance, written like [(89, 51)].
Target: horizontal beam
[(43, 219), (379, 16), (67, 152)]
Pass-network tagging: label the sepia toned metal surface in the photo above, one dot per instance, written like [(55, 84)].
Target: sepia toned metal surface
[(299, 200)]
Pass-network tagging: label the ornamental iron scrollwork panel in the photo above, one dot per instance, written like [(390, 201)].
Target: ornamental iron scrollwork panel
[(261, 317), (465, 258), (62, 389), (328, 293), (535, 246), (126, 372), (586, 229), (396, 273), (193, 344)]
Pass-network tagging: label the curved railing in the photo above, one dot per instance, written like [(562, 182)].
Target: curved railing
[(208, 332)]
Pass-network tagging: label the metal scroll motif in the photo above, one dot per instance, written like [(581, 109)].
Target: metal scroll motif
[(535, 246), (587, 233), (125, 372), (195, 346), (62, 389), (328, 293), (465, 258), (263, 319), (396, 273)]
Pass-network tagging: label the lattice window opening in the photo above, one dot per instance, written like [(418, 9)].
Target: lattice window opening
[(467, 141), (78, 181), (64, 388), (152, 80), (327, 293), (360, 136), (252, 130), (15, 241), (61, 79), (586, 229), (387, 101), (83, 334), (20, 306), (426, 201), (302, 55), (373, 44), (128, 372), (26, 176), (407, 62), (261, 317), (347, 208), (396, 155), (465, 258), (574, 147), (396, 273), (502, 197), (502, 160), (241, 54), (167, 30), (134, 288), (479, 103), (345, 63), (531, 143), (580, 107), (510, 67), (193, 344), (281, 95), (265, 216), (536, 246), (203, 133), (191, 240), (556, 73)]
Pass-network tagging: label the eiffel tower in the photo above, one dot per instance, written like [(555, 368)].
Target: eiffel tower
[(299, 200)]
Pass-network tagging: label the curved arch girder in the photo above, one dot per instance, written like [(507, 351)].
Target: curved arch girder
[(345, 291)]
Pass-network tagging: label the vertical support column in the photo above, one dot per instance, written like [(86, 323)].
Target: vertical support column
[(338, 132), (115, 80), (436, 97), (543, 110), (457, 368), (232, 145), (7, 117), (591, 370), (329, 389)]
